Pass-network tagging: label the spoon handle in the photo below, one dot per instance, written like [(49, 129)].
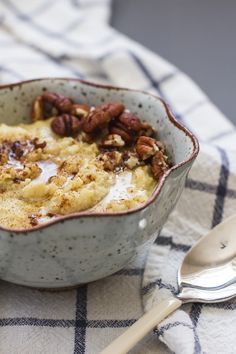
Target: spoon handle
[(140, 328)]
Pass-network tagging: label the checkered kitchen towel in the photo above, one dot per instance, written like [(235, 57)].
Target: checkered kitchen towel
[(72, 38)]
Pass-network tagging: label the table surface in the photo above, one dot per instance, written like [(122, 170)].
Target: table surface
[(196, 36)]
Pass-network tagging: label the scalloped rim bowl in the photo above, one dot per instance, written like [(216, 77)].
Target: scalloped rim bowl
[(82, 247)]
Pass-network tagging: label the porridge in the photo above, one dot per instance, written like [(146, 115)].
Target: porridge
[(73, 158)]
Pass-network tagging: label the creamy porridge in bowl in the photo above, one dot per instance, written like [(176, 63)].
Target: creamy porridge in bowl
[(75, 157), (88, 176)]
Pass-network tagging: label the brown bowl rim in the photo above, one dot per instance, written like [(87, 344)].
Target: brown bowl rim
[(157, 190)]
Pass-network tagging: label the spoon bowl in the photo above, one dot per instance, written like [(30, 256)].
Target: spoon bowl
[(208, 271), (207, 274)]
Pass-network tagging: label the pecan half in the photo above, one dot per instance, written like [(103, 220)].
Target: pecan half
[(114, 108), (113, 140), (37, 110), (159, 165), (121, 130), (129, 127), (62, 103), (101, 116), (65, 125), (146, 147), (42, 106), (131, 122)]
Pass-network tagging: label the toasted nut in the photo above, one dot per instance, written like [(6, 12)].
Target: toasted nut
[(33, 219), (37, 112), (18, 149), (62, 103), (159, 165), (96, 119), (146, 147), (118, 129), (129, 127), (160, 145), (40, 110), (131, 121), (86, 138), (114, 108), (65, 125), (113, 140), (111, 160), (101, 116), (146, 130), (131, 160), (80, 110), (38, 145)]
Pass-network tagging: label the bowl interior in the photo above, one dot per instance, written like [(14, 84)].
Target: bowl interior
[(16, 99)]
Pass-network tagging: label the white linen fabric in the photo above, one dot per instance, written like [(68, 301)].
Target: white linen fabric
[(43, 38)]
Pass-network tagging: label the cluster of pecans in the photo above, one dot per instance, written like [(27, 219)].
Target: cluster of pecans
[(128, 141)]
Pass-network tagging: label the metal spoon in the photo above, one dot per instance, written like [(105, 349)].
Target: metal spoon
[(207, 274)]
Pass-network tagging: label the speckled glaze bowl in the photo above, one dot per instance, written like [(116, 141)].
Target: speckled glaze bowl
[(83, 247)]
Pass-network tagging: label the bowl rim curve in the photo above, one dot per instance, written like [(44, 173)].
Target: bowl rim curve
[(158, 188)]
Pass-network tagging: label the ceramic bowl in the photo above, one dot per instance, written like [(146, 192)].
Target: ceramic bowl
[(83, 247)]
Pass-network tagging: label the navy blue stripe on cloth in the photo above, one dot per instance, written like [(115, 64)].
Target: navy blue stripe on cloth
[(200, 186), (194, 315), (208, 188), (168, 326), (157, 86), (110, 323), (130, 272), (161, 331), (80, 320), (168, 241), (37, 322), (160, 284), (154, 83)]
